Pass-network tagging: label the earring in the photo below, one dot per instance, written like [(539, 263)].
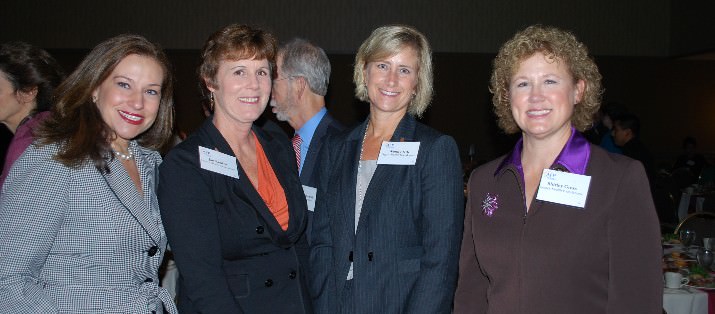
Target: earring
[(211, 104), (94, 99)]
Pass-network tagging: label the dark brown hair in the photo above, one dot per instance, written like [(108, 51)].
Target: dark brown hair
[(28, 67), (76, 123)]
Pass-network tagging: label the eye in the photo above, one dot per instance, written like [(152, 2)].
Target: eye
[(381, 66), (239, 72), (123, 85), (262, 73), (521, 84), (549, 82), (152, 92), (405, 71)]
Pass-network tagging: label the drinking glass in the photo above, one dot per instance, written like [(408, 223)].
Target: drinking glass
[(686, 237), (705, 258)]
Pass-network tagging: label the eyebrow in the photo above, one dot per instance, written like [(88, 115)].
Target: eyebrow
[(131, 80)]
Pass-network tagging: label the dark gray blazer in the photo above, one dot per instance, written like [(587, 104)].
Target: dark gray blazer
[(232, 255), (406, 248), (327, 126)]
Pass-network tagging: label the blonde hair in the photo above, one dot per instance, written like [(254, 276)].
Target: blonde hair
[(388, 41), (556, 44)]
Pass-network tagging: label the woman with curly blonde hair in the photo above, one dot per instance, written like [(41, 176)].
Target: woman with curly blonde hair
[(548, 227)]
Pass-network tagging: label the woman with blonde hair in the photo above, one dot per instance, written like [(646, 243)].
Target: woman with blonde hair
[(388, 216)]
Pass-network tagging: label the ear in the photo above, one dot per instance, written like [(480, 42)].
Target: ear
[(580, 89), (95, 95), (29, 96), (209, 84), (302, 86)]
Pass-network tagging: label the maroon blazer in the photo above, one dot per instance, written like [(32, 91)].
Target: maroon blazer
[(604, 258)]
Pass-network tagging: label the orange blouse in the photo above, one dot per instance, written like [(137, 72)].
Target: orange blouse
[(270, 189)]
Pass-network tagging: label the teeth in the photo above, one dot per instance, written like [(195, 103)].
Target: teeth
[(249, 99), (130, 117), (538, 112), (388, 93)]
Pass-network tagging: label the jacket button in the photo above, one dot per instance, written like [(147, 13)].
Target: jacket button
[(268, 282), (369, 256), (152, 250), (292, 274), (148, 280), (259, 229)]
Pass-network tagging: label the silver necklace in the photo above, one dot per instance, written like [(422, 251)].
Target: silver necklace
[(127, 156)]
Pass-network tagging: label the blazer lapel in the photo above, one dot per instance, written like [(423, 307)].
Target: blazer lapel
[(387, 176), (297, 206), (242, 187), (139, 206), (353, 148), (315, 143)]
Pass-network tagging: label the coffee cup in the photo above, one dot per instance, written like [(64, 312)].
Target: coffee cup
[(675, 280)]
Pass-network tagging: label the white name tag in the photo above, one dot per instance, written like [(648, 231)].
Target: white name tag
[(310, 193), (563, 188), (398, 153), (218, 162)]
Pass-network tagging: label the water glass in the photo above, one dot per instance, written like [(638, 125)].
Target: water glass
[(705, 258), (686, 237)]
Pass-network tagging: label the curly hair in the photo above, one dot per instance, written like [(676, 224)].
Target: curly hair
[(555, 44), (387, 41)]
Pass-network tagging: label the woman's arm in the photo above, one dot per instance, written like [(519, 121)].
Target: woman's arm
[(32, 208), (442, 201), (189, 216), (635, 271)]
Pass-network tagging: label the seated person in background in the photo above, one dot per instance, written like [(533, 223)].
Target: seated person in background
[(626, 130), (600, 134), (690, 159)]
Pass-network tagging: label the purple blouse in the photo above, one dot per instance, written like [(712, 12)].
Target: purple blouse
[(22, 139), (573, 157)]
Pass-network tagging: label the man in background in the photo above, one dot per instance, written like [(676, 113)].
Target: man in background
[(299, 88)]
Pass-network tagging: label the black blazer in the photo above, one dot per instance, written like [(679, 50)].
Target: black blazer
[(232, 255)]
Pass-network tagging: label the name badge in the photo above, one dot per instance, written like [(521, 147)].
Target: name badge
[(398, 153), (563, 188), (218, 162), (310, 194)]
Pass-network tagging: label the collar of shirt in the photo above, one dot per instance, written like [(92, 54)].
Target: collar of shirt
[(306, 134), (573, 157)]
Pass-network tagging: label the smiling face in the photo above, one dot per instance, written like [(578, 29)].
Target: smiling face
[(543, 94), (242, 89), (128, 99), (391, 82)]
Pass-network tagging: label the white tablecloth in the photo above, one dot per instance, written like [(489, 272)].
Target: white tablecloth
[(685, 301)]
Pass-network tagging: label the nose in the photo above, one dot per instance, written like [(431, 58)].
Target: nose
[(535, 93), (137, 100), (253, 81), (392, 77)]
